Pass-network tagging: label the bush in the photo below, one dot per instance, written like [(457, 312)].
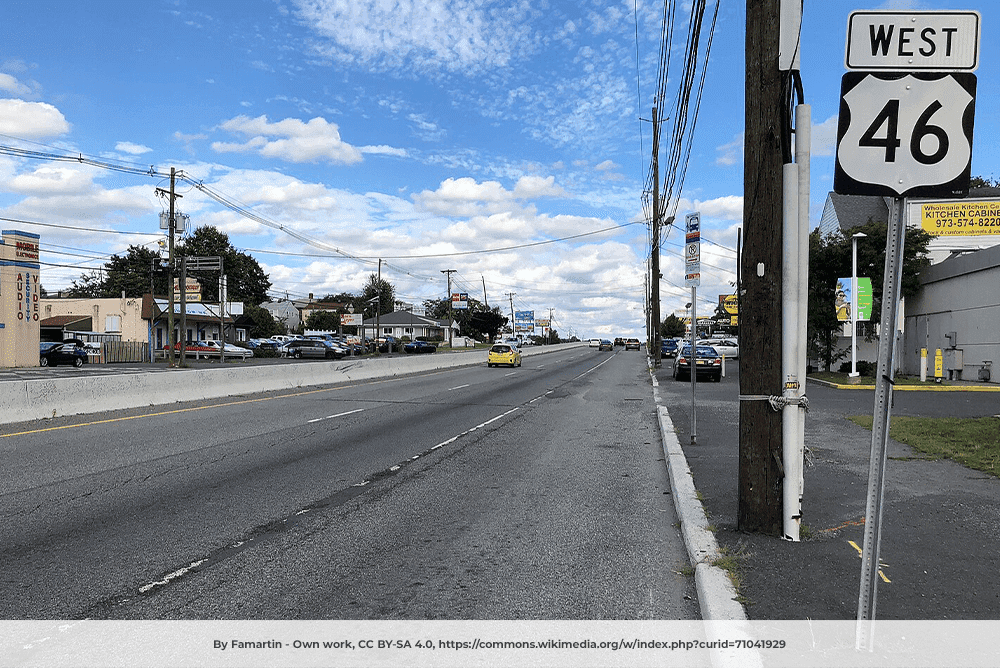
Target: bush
[(864, 367)]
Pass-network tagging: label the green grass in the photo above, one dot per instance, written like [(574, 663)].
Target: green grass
[(971, 442)]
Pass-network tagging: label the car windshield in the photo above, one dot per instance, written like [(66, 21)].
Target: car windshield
[(500, 349)]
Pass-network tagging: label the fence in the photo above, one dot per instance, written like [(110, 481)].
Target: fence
[(124, 351)]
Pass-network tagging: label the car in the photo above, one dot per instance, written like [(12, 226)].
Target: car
[(504, 353), (419, 347), (299, 348), (269, 345), (619, 341), (669, 348), (632, 344), (62, 353), (228, 349), (595, 343), (605, 344), (708, 363), (726, 347)]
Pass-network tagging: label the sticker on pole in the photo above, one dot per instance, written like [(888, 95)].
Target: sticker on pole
[(905, 134)]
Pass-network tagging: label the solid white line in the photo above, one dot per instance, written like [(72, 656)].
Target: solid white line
[(329, 417)]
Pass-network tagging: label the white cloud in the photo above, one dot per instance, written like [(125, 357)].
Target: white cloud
[(289, 139), (728, 207), (453, 35), (31, 120), (731, 153), (51, 180), (13, 86), (132, 149), (533, 187), (824, 137)]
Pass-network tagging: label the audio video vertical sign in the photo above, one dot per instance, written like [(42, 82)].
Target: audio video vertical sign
[(692, 250)]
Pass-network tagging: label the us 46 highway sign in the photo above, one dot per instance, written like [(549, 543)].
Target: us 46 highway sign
[(905, 134)]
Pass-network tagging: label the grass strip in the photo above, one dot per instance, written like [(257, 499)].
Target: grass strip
[(971, 442)]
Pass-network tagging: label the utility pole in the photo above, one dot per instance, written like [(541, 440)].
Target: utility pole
[(510, 296), (761, 471), (654, 340), (450, 314), (171, 226), (548, 339), (378, 310)]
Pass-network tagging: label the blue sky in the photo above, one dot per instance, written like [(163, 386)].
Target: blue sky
[(423, 133)]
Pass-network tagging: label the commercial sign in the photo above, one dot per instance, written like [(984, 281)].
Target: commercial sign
[(845, 299), (352, 319), (192, 289), (460, 300), (959, 218), (524, 321), (913, 41), (730, 304)]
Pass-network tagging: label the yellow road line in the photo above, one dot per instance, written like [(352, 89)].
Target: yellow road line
[(861, 556)]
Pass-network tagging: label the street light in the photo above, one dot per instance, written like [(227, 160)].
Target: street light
[(854, 303)]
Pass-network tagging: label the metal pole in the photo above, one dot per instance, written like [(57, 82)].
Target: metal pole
[(183, 310), (895, 237), (791, 456), (854, 307), (654, 302), (803, 141), (693, 361)]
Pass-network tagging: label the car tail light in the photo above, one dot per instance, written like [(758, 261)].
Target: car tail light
[(681, 360)]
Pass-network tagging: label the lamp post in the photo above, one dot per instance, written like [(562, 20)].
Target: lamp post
[(854, 303), (378, 310)]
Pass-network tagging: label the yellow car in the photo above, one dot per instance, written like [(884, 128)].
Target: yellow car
[(504, 353)]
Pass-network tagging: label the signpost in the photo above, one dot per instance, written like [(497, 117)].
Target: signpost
[(692, 279), (905, 130)]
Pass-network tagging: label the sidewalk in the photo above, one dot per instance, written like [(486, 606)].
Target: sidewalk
[(940, 537)]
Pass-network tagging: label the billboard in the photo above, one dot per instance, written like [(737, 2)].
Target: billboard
[(845, 300), (460, 300), (524, 321)]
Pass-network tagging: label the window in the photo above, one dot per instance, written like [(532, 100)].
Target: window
[(112, 323)]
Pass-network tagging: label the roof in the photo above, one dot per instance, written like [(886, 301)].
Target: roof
[(405, 318), (855, 210), (65, 321)]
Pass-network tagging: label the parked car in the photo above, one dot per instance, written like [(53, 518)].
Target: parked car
[(708, 363), (504, 353), (632, 344), (264, 344), (299, 348), (229, 349), (669, 348), (419, 347), (62, 353), (727, 347), (605, 344)]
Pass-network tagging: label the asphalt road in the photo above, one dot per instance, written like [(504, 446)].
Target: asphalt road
[(940, 519), (471, 493)]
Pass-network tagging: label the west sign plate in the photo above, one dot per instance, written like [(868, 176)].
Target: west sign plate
[(905, 134)]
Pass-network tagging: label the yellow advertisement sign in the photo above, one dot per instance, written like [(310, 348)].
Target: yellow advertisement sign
[(960, 218), (729, 303)]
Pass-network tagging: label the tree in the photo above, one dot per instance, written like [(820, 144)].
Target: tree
[(133, 274), (246, 281), (325, 321), (264, 324), (476, 321), (830, 259), (378, 287), (672, 327)]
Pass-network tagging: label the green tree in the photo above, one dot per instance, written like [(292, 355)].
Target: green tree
[(672, 326), (326, 321), (132, 274), (383, 290), (246, 281), (830, 259), (476, 321), (264, 324)]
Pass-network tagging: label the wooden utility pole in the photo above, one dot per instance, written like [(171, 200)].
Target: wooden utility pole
[(451, 316), (760, 450), (653, 349)]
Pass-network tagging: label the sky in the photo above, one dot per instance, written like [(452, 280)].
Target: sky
[(507, 141)]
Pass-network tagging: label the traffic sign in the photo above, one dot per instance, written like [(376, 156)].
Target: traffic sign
[(909, 41), (692, 252), (905, 134)]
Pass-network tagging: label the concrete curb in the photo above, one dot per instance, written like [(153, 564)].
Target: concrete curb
[(908, 388), (25, 400), (716, 593)]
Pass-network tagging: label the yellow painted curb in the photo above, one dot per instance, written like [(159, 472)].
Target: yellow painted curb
[(910, 388)]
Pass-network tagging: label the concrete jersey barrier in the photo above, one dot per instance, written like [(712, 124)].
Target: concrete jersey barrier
[(25, 400)]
